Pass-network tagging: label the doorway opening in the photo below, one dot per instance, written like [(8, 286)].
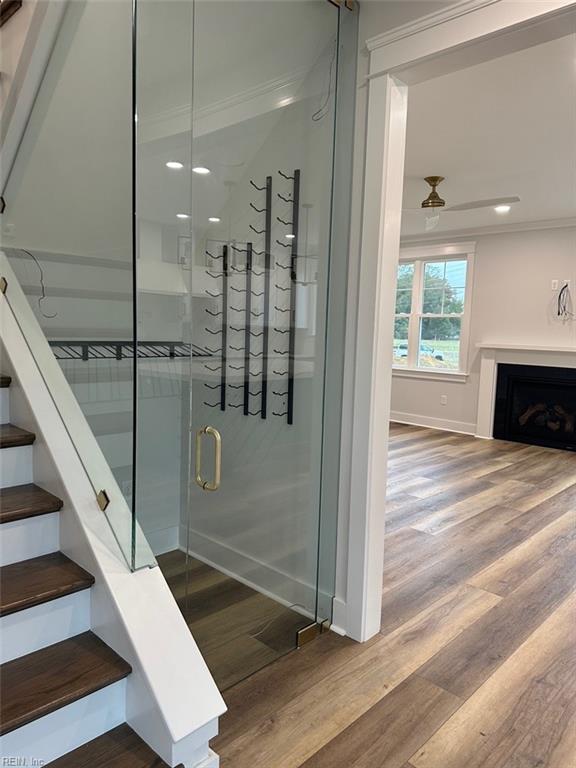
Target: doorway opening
[(488, 236)]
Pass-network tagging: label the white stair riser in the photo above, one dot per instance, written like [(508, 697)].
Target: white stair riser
[(60, 732), (4, 405), (43, 625), (31, 537), (16, 466)]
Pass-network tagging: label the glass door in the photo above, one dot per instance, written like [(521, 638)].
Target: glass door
[(239, 257), (262, 159)]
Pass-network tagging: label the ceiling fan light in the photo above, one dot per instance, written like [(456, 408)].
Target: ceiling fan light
[(433, 200)]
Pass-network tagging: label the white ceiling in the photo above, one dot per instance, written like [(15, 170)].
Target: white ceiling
[(505, 127), (238, 44)]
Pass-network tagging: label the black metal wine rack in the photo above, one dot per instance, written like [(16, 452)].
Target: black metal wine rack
[(232, 294)]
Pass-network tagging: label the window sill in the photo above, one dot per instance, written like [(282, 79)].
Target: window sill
[(429, 375)]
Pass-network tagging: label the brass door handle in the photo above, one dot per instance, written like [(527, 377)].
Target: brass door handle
[(205, 484)]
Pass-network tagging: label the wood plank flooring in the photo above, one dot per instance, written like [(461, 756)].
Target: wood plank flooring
[(238, 630), (475, 664)]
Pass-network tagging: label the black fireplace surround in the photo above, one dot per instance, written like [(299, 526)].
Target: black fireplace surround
[(536, 404)]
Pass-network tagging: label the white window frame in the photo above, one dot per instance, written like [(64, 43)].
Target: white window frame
[(419, 256)]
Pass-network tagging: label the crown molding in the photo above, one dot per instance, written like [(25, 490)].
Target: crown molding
[(258, 98), (500, 229), (456, 11)]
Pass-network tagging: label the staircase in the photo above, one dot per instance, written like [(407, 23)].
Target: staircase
[(60, 684)]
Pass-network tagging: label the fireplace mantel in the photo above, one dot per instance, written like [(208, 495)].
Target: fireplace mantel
[(529, 348), (492, 353)]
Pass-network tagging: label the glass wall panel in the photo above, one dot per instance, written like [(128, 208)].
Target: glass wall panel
[(163, 173), (67, 230)]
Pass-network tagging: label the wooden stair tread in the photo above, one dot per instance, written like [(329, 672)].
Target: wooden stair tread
[(119, 748), (5, 381), (39, 580), (20, 501), (12, 437), (43, 681)]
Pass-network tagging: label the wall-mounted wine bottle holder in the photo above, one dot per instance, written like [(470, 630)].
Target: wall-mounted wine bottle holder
[(243, 292), (291, 198)]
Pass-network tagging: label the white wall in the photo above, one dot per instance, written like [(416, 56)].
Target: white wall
[(70, 189), (512, 302), (12, 37)]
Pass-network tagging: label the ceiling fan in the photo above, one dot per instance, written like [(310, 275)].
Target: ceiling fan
[(434, 203)]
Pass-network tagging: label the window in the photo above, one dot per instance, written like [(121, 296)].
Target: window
[(431, 318)]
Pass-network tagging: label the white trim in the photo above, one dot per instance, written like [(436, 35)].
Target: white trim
[(339, 617), (429, 21), (496, 229), (380, 247), (528, 347), (438, 44), (479, 31), (438, 251), (429, 374), (446, 425), (254, 101)]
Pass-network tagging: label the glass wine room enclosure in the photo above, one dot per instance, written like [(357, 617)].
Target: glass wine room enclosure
[(187, 261)]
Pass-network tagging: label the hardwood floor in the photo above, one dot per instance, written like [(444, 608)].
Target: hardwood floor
[(475, 665), (238, 630)]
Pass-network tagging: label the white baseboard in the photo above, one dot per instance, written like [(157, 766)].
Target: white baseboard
[(261, 577), (339, 617), (446, 425), (164, 540)]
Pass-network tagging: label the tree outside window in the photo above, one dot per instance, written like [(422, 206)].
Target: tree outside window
[(430, 305)]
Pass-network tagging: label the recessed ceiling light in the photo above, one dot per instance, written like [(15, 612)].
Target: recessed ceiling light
[(183, 215), (214, 219), (502, 208), (174, 164), (201, 170), (290, 237)]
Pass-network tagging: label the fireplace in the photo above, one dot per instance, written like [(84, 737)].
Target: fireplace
[(536, 404)]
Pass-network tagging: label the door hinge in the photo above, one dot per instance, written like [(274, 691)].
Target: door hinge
[(3, 285), (311, 632)]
